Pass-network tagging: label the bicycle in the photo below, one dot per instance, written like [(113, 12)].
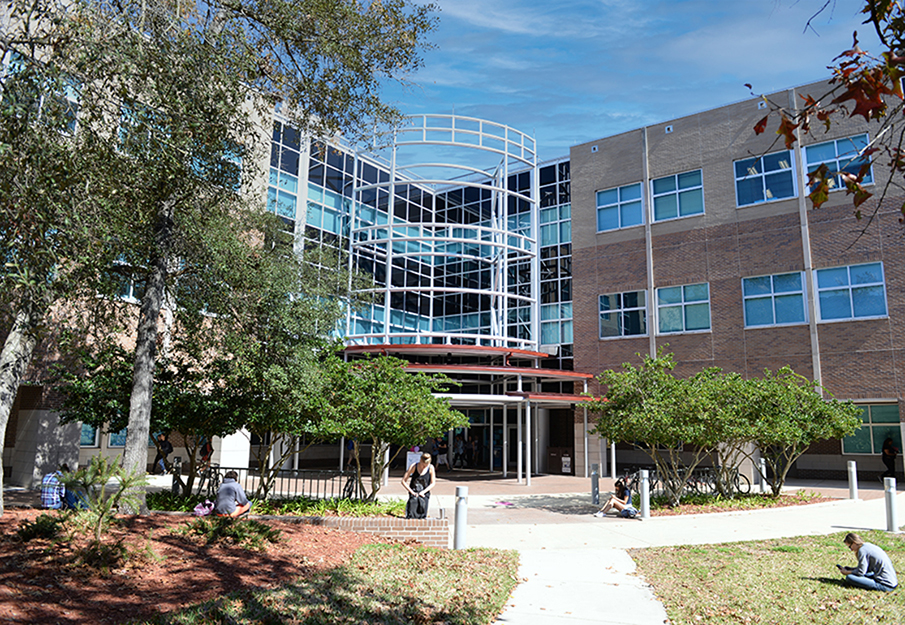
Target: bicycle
[(211, 475)]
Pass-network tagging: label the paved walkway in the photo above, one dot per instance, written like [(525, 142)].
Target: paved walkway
[(575, 568), (573, 564)]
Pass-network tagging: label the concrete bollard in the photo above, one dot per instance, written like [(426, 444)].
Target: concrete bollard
[(852, 479), (595, 484), (762, 467), (461, 517), (645, 494), (892, 517)]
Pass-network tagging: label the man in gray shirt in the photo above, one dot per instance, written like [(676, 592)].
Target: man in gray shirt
[(231, 498), (874, 570)]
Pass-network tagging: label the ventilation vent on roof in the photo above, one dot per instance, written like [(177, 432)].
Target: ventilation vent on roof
[(593, 148), (668, 129), (761, 105)]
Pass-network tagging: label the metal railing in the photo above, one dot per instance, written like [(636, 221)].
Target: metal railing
[(701, 481), (287, 484)]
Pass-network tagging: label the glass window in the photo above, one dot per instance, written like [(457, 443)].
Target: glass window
[(684, 308), (619, 208), (764, 178), (852, 292), (879, 422), (841, 155), (623, 314), (678, 196), (117, 439), (774, 300), (88, 436)]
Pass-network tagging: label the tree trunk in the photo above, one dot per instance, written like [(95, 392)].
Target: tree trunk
[(14, 360), (135, 454)]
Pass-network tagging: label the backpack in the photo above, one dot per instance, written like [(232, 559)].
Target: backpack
[(203, 509)]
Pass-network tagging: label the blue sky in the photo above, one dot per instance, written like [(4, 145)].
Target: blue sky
[(570, 72)]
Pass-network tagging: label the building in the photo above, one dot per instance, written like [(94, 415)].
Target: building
[(697, 234), (523, 280)]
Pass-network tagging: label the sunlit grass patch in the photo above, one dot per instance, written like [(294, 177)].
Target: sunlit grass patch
[(790, 580), (379, 584)]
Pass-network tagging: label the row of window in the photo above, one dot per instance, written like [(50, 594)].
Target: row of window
[(759, 179), (850, 292)]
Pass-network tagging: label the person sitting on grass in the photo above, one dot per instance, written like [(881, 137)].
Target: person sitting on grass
[(874, 570), (620, 500), (231, 498)]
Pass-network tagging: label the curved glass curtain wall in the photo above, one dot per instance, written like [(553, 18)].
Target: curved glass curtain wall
[(451, 243)]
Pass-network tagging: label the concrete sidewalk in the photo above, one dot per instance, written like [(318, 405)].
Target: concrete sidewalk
[(575, 569)]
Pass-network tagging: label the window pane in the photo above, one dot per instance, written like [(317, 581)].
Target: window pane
[(609, 324), (666, 207), (747, 167), (691, 202), (633, 299), (549, 311), (665, 185), (549, 333), (607, 219), (549, 214), (609, 302), (549, 234), (565, 232), (835, 305), (759, 312), (631, 214), (820, 153), (779, 185), (750, 191), (882, 432), (827, 278), (697, 317), (775, 162), (669, 295), (691, 179), (869, 301), (630, 192), (756, 286), (858, 443), (566, 332), (634, 323), (671, 319), (884, 414), (118, 439), (787, 283), (790, 309), (88, 436), (696, 292), (867, 274), (607, 197)]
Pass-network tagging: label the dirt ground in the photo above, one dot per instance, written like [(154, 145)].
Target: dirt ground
[(42, 583)]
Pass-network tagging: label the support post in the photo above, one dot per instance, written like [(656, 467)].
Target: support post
[(762, 467), (612, 460), (892, 516), (595, 485), (645, 494), (461, 517), (853, 479), (528, 442)]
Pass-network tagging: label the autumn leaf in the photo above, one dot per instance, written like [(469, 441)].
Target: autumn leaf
[(761, 126)]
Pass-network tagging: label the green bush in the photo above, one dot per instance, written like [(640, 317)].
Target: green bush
[(245, 533), (297, 506), (44, 526), (172, 502)]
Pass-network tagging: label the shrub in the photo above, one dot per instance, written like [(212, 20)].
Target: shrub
[(44, 526)]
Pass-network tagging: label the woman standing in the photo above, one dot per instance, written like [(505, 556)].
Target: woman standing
[(418, 480)]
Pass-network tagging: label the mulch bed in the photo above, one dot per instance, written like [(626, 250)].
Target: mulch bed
[(41, 583)]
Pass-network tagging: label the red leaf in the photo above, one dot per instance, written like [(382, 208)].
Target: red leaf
[(761, 126)]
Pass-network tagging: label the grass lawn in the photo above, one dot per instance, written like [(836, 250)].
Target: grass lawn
[(789, 580), (379, 584)]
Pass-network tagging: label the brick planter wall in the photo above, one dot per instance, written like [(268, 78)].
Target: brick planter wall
[(429, 532)]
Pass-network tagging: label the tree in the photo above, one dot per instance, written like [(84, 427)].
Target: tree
[(171, 103), (791, 414), (665, 416), (865, 85), (377, 400)]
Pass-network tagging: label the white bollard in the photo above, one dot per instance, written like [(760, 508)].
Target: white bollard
[(892, 517), (852, 479), (645, 495), (461, 517), (595, 484), (764, 487)]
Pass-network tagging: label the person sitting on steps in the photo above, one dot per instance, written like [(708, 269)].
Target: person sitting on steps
[(620, 500)]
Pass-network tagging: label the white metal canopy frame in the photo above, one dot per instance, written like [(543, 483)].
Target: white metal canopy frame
[(478, 158)]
